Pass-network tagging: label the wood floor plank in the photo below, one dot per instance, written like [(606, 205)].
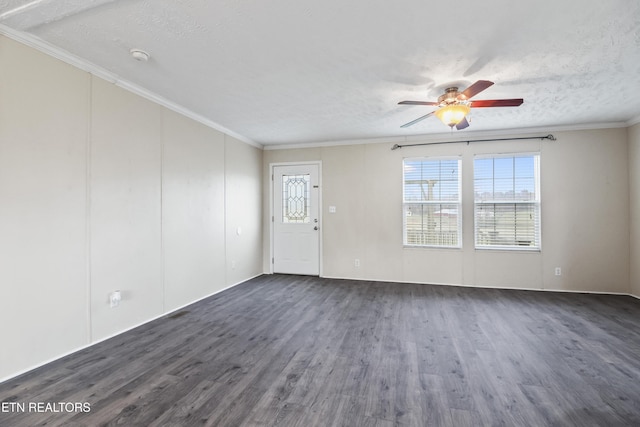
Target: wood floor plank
[(284, 350)]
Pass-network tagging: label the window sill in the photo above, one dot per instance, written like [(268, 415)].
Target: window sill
[(446, 248), (508, 249)]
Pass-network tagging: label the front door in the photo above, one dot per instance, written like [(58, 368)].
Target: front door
[(296, 235)]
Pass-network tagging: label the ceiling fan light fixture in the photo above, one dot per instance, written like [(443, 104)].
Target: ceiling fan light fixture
[(452, 114)]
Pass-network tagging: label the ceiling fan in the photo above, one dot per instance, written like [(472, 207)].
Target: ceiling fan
[(454, 106)]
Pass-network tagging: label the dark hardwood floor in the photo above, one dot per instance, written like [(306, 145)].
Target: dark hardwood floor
[(304, 351)]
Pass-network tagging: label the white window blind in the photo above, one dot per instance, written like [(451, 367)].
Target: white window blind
[(431, 202), (507, 201)]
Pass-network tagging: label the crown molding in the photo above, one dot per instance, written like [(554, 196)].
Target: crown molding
[(447, 137), (381, 140), (95, 70), (633, 121)]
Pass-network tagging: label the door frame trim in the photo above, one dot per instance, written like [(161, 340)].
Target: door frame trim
[(272, 166)]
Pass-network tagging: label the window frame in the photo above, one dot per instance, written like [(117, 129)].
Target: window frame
[(536, 202), (458, 159)]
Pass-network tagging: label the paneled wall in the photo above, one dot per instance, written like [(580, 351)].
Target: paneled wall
[(102, 190), (193, 192), (44, 124), (585, 215), (243, 200), (125, 208)]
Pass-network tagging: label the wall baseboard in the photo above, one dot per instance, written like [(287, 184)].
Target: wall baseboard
[(91, 344), (570, 291)]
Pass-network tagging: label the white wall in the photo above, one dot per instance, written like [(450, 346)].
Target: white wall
[(193, 192), (586, 219), (102, 190), (634, 192), (125, 188), (244, 214), (587, 236), (44, 118)]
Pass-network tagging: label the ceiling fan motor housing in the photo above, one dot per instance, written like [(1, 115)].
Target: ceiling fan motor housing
[(450, 96)]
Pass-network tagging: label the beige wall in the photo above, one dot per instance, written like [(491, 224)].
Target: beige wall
[(193, 190), (634, 191), (125, 205), (44, 120), (102, 190), (584, 184), (243, 231)]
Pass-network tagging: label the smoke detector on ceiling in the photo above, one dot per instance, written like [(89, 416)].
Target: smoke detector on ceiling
[(139, 55)]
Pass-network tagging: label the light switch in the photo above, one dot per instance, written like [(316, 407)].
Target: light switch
[(332, 209)]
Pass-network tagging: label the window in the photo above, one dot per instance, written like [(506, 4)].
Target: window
[(431, 202), (507, 201)]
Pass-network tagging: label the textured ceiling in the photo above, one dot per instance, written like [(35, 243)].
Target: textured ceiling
[(300, 71)]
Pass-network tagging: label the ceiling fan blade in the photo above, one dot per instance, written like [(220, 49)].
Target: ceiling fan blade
[(474, 89), (417, 103), (412, 122), (497, 103), (464, 123)]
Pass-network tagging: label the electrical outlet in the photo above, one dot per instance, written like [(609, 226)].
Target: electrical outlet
[(356, 263), (558, 271), (114, 299)]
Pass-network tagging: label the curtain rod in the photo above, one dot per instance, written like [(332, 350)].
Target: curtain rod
[(549, 137)]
